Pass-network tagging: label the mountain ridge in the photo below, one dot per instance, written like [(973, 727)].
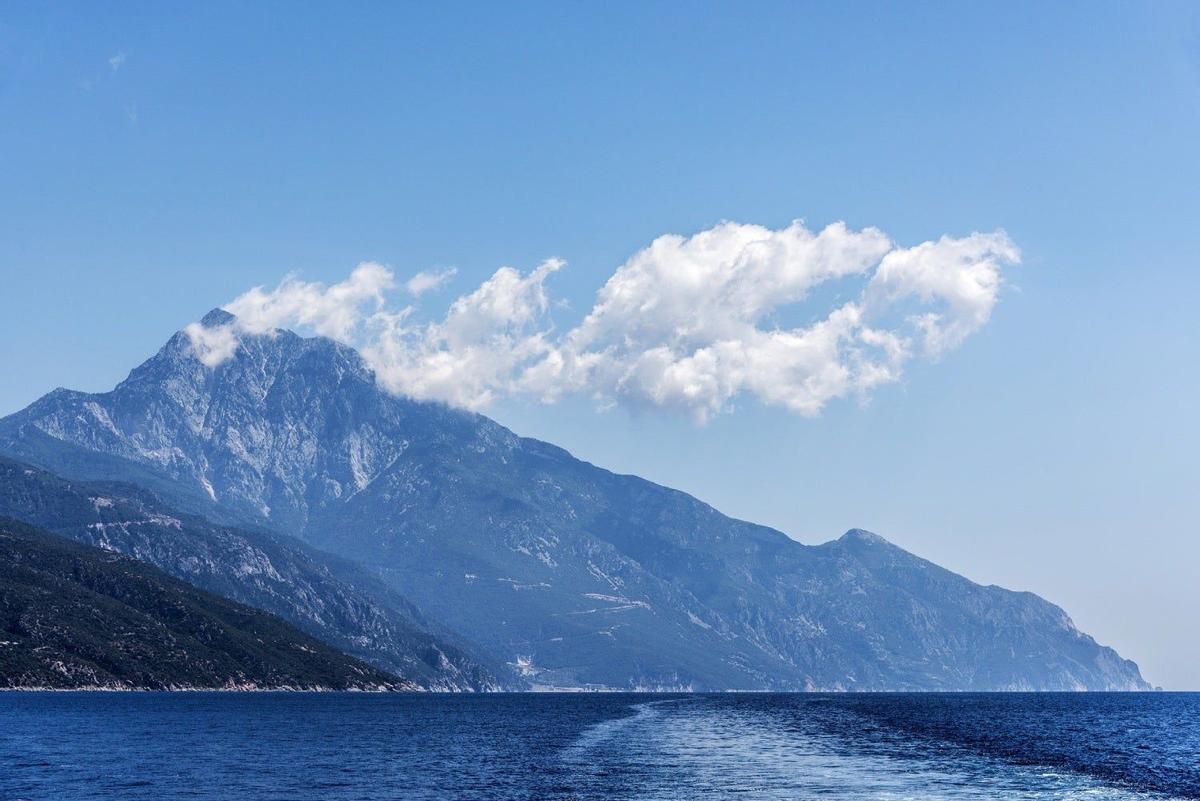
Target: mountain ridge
[(573, 575)]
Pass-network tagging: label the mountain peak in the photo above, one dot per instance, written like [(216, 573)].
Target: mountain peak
[(216, 317), (863, 536)]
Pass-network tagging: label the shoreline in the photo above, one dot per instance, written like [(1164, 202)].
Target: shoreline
[(423, 691), (284, 689)]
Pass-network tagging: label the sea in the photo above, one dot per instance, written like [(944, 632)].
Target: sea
[(370, 747)]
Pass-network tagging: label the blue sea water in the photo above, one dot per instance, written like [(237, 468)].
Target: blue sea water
[(338, 747)]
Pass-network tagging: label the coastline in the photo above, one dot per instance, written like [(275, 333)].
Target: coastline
[(227, 689)]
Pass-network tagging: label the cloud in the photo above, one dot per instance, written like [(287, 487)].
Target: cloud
[(115, 62), (963, 275), (428, 281), (214, 345), (335, 311), (683, 322), (687, 323), (471, 357)]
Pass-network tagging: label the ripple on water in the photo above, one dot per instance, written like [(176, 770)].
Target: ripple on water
[(331, 747)]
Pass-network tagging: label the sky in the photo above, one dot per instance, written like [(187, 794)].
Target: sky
[(157, 161)]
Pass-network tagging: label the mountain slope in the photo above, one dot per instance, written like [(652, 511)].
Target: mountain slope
[(575, 575), (329, 598), (74, 616)]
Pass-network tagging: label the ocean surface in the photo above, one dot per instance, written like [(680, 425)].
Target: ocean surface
[(336, 747)]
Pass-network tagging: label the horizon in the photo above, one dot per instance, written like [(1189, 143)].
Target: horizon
[(751, 178)]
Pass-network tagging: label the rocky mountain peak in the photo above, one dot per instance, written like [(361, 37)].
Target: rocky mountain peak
[(864, 537), (216, 317)]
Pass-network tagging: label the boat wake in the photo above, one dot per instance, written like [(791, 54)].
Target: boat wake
[(700, 748)]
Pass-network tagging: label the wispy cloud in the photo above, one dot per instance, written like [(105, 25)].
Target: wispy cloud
[(99, 76), (687, 323), (428, 281)]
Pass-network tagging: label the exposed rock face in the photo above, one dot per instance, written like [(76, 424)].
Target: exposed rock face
[(74, 616), (571, 574)]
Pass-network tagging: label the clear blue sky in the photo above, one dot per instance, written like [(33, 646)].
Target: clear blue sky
[(156, 162)]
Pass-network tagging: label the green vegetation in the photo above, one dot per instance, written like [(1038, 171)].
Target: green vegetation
[(74, 616)]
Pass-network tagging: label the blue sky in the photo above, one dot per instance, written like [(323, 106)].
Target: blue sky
[(157, 162)]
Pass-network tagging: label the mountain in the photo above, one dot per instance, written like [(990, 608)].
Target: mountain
[(73, 616), (329, 598), (573, 575)]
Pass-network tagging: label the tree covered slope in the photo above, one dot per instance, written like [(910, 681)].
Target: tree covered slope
[(74, 616), (330, 598)]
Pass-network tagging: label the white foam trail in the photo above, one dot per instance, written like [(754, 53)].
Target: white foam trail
[(701, 752)]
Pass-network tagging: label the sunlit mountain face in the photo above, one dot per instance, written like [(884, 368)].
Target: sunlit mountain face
[(564, 573)]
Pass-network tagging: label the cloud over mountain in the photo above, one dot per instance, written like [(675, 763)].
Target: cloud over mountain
[(688, 323)]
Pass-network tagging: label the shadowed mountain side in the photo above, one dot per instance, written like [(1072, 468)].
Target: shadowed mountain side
[(74, 616), (326, 596)]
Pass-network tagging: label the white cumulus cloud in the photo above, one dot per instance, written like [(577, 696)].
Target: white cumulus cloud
[(687, 323), (336, 311), (474, 354)]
